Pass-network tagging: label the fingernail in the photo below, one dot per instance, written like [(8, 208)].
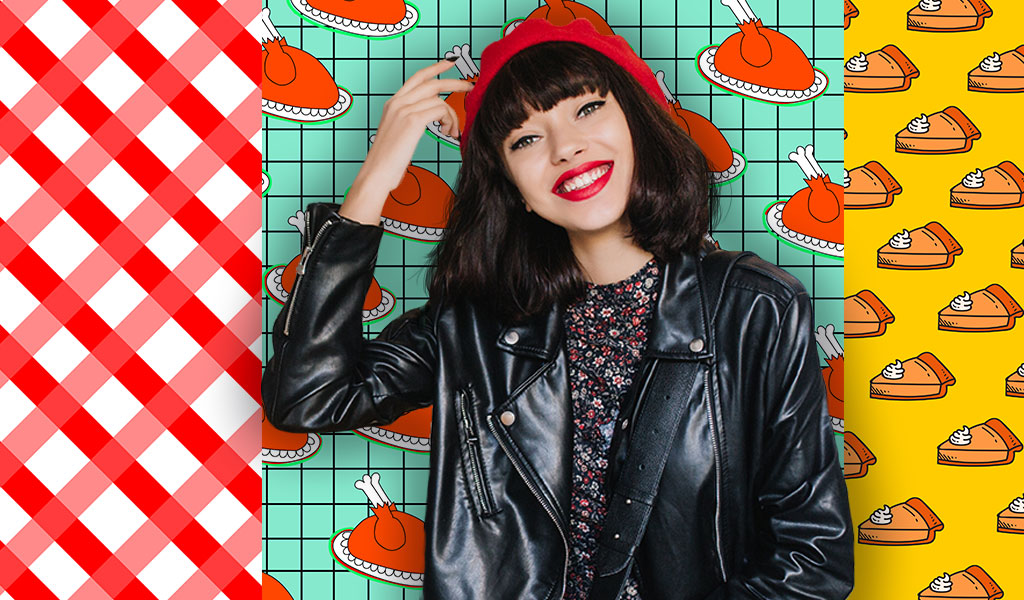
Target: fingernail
[(452, 58)]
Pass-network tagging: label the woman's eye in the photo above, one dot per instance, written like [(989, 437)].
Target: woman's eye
[(522, 142), (590, 107)]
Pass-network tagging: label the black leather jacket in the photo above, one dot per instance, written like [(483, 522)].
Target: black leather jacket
[(752, 503)]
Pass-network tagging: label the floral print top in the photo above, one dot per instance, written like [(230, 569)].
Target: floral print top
[(606, 333)]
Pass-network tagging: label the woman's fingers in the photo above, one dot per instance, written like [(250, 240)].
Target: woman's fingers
[(428, 89), (434, 109), (424, 74)]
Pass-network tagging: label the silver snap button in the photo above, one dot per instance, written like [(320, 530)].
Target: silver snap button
[(628, 501), (512, 337), (616, 536), (507, 418), (625, 423), (696, 345)]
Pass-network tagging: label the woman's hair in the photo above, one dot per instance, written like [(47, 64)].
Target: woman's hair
[(514, 263)]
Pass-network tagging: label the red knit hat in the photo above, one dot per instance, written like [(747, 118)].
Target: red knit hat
[(537, 31)]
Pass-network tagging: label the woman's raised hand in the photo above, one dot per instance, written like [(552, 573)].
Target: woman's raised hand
[(405, 117)]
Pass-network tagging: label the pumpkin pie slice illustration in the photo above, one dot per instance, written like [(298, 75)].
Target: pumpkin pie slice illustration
[(856, 456), (760, 63), (563, 12), (869, 186), (865, 315), (983, 445), (1017, 256), (948, 15), (279, 280), (948, 131), (905, 524), (285, 447), (388, 546), (812, 219), (296, 86), (849, 12), (409, 432), (457, 100), (988, 309), (973, 583), (1015, 383), (366, 18), (1011, 518), (885, 70), (922, 377), (1000, 73), (273, 590), (1001, 186), (832, 372), (928, 247), (724, 163)]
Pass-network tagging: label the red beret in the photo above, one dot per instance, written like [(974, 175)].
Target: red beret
[(537, 31)]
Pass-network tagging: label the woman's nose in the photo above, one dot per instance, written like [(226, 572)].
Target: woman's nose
[(567, 144)]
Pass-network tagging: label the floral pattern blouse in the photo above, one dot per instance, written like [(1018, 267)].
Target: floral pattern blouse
[(606, 333)]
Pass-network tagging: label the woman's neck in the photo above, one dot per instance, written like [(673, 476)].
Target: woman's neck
[(610, 260)]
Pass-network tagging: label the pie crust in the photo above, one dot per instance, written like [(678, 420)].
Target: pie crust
[(865, 315), (1009, 78), (1008, 521), (1015, 383), (924, 378), (931, 247), (952, 15), (912, 523), (849, 12), (991, 309), (991, 443), (888, 70), (871, 186), (949, 132), (973, 583), (856, 456), (1002, 187), (1017, 256)]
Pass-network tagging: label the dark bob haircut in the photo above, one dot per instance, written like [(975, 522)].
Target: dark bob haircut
[(516, 264)]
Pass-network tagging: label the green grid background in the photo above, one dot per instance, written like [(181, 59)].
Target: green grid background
[(306, 503)]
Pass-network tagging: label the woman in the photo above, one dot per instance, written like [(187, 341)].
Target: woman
[(619, 410)]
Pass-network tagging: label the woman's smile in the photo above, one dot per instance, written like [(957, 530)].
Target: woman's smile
[(590, 180)]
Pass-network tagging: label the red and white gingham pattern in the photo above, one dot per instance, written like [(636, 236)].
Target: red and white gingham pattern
[(129, 300)]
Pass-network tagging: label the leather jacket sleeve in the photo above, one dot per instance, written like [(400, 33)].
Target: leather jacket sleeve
[(805, 529), (324, 375)]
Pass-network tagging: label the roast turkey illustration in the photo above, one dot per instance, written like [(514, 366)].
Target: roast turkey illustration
[(457, 100), (279, 281), (286, 448), (760, 63), (563, 12), (409, 432), (832, 372), (273, 590), (388, 546), (265, 183), (365, 18), (813, 218), (724, 163), (418, 208), (296, 86)]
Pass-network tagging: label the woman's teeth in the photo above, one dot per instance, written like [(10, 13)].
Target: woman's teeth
[(581, 181)]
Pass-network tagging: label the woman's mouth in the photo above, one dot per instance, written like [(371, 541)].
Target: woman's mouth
[(585, 184)]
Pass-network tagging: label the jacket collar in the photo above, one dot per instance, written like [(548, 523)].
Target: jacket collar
[(675, 327)]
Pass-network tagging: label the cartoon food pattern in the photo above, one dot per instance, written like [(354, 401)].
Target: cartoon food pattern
[(869, 186), (812, 219), (973, 583), (982, 445), (849, 12), (457, 100), (286, 448), (988, 309), (296, 86), (884, 70), (1011, 518), (274, 590), (999, 72), (1001, 186), (265, 183), (389, 545), (866, 315), (856, 456), (409, 432), (1015, 382), (562, 12), (948, 15), (366, 18), (760, 63), (948, 131), (832, 372), (905, 524), (724, 163), (922, 377), (930, 246), (1017, 256), (418, 208)]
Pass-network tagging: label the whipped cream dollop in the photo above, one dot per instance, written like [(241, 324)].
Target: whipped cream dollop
[(941, 584), (930, 5), (846, 178), (901, 240), (858, 63), (974, 180), (962, 302), (919, 124), (882, 516), (1020, 370), (1017, 505), (991, 64), (893, 370), (961, 437)]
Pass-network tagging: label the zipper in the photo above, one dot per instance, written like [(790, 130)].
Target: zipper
[(483, 497), (533, 488), (301, 269), (718, 472)]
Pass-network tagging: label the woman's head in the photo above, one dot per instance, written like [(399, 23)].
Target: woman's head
[(517, 262)]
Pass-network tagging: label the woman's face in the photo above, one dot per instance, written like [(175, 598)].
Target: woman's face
[(573, 164)]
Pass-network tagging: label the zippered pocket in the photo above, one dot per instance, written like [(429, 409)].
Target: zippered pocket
[(472, 458), (310, 242)]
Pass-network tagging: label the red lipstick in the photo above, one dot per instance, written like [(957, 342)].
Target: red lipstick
[(585, 192)]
